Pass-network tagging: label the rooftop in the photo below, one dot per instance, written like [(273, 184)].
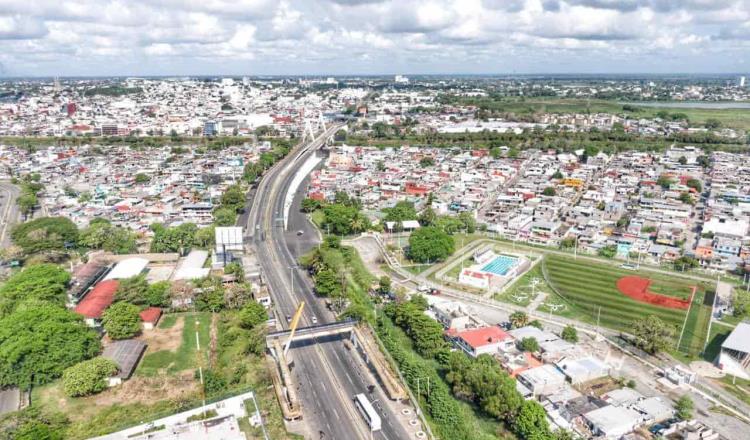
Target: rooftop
[(484, 336), (100, 297)]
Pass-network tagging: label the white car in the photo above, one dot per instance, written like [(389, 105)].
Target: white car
[(314, 320)]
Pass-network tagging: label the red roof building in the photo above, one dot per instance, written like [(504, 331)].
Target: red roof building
[(150, 317), (487, 340), (100, 297)]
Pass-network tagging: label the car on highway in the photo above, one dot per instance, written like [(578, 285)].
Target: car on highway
[(314, 320), (288, 318), (300, 232)]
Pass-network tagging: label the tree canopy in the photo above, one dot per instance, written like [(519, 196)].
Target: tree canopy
[(39, 341), (652, 334), (45, 234), (45, 282), (252, 314), (341, 219), (430, 244), (122, 320), (103, 235), (88, 377), (173, 239)]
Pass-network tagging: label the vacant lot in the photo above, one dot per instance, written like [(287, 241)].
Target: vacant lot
[(172, 347), (590, 292)]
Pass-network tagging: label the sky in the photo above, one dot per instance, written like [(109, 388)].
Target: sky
[(342, 37)]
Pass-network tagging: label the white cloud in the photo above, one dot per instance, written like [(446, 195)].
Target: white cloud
[(368, 36)]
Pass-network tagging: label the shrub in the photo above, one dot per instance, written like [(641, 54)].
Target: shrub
[(88, 377)]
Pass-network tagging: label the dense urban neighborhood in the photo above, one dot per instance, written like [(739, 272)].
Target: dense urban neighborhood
[(375, 257)]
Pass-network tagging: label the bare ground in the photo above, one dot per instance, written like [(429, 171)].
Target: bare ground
[(160, 339)]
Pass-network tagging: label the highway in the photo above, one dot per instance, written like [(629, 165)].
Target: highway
[(327, 374), (9, 213)]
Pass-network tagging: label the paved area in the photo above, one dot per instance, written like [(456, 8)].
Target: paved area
[(9, 400)]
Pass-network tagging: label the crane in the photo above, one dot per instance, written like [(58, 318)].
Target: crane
[(293, 326)]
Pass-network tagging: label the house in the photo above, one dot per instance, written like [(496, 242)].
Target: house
[(582, 370), (126, 354), (734, 357), (543, 380), (612, 421), (127, 268), (95, 302), (487, 340), (191, 267), (150, 317)]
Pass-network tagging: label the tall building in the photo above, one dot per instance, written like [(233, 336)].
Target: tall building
[(741, 81), (209, 128)]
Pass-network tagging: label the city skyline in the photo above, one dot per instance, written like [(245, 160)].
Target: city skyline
[(338, 37)]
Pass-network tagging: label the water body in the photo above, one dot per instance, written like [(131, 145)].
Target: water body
[(694, 104)]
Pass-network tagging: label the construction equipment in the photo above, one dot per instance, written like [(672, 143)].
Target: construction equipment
[(293, 326)]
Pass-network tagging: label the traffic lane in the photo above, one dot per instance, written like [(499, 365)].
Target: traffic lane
[(322, 410), (346, 370)]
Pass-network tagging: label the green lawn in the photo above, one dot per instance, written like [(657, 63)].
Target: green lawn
[(735, 118), (696, 325), (185, 356), (589, 290), (669, 288), (520, 292)]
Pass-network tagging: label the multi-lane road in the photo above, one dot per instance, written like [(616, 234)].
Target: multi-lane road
[(327, 374), (9, 213)]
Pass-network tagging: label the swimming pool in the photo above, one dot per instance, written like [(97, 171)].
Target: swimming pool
[(500, 265)]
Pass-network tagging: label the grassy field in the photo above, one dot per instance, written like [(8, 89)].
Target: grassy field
[(671, 288), (589, 290), (734, 118), (520, 292), (185, 356)]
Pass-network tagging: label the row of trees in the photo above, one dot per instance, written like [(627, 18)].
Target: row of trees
[(480, 380)]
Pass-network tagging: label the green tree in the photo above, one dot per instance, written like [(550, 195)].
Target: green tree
[(121, 320), (712, 123), (174, 239), (685, 263), (341, 219), (664, 181), (570, 334), (142, 178), (608, 251), (686, 198), (549, 191), (694, 184), (426, 162), (519, 319), (529, 344), (652, 334), (88, 377), (310, 205), (684, 407), (158, 294), (44, 282), (39, 340), (252, 314), (400, 212), (531, 422), (225, 216), (26, 203), (45, 234), (327, 283), (495, 152), (132, 290), (740, 303), (468, 222), (384, 285), (210, 297), (430, 244), (103, 235), (233, 197)]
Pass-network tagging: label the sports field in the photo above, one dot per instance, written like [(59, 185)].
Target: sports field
[(590, 288)]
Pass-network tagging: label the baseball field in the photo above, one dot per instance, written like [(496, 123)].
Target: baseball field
[(617, 297)]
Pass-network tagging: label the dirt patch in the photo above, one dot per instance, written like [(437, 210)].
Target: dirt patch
[(637, 288), (144, 390), (160, 339)]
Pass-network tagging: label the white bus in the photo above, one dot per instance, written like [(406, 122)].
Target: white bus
[(368, 412)]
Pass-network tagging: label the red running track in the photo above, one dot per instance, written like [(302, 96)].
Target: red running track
[(637, 288)]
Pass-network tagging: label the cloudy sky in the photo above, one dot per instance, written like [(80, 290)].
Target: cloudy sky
[(174, 37)]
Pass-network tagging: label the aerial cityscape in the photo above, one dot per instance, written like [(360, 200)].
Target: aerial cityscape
[(523, 220)]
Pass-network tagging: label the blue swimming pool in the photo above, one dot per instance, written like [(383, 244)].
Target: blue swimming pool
[(500, 265)]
